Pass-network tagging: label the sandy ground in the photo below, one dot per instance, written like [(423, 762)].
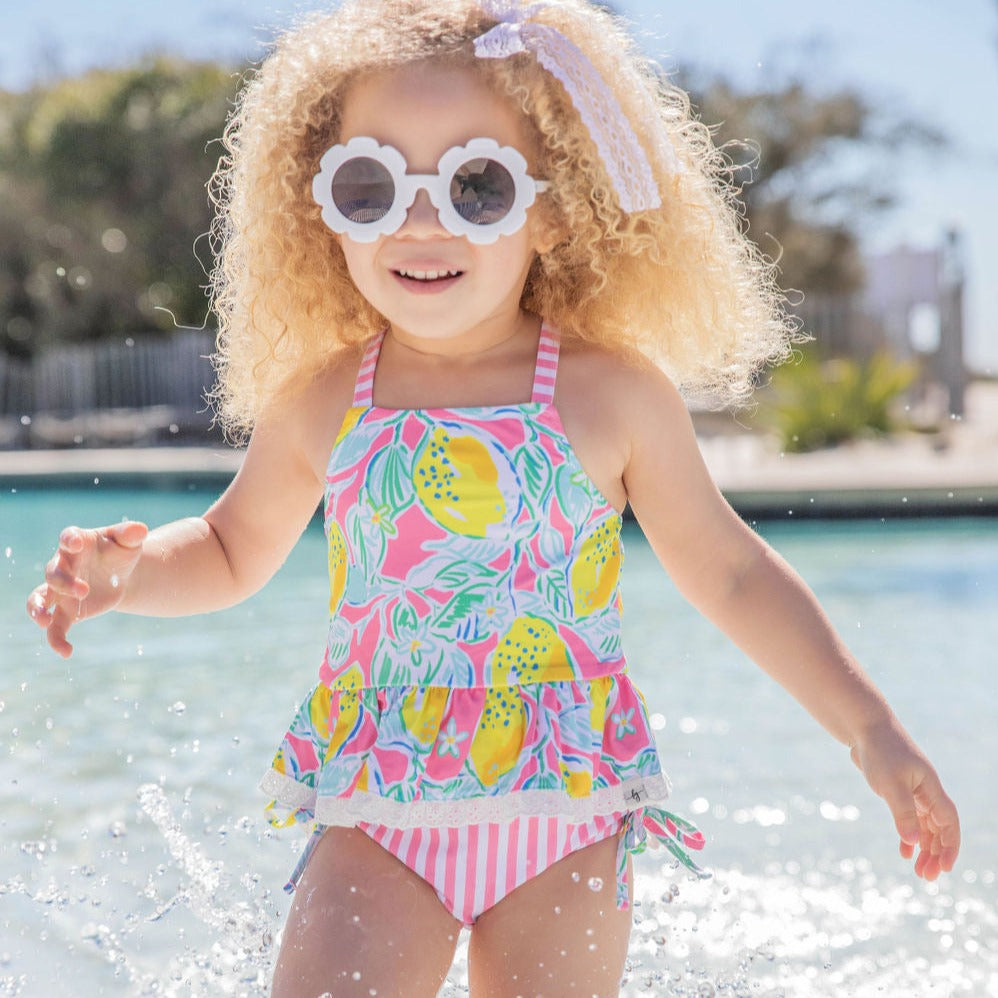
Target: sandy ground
[(952, 471)]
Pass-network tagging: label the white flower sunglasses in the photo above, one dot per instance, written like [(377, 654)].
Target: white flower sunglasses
[(481, 190)]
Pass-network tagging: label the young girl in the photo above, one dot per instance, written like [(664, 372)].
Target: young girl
[(460, 243)]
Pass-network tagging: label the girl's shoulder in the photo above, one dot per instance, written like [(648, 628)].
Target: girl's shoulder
[(308, 410), (609, 376)]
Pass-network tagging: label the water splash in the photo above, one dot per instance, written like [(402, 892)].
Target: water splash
[(838, 928)]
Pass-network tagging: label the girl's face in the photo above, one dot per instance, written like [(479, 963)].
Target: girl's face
[(423, 110)]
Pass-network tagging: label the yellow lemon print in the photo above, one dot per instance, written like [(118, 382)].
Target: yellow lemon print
[(531, 652), (457, 482), (353, 414), (337, 567), (599, 690), (596, 570), (349, 684), (362, 779), (348, 710), (498, 739), (423, 711), (351, 678), (318, 710), (577, 784)]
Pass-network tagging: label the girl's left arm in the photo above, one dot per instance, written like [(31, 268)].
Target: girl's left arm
[(736, 580)]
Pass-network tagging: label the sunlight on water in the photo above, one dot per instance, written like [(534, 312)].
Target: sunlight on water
[(786, 933), (128, 866)]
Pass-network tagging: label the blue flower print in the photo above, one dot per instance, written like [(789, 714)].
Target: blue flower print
[(450, 739), (622, 718)]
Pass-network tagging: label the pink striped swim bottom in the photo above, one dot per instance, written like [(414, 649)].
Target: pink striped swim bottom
[(473, 867)]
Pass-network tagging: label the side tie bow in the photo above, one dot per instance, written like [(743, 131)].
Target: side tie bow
[(675, 833)]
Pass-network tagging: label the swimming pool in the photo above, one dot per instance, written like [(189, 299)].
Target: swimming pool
[(135, 859)]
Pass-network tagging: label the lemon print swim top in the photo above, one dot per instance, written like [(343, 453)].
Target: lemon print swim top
[(473, 669)]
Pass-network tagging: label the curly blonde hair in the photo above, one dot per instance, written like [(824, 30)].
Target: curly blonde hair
[(681, 283)]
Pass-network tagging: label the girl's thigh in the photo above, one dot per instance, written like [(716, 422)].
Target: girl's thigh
[(558, 934), (363, 923)]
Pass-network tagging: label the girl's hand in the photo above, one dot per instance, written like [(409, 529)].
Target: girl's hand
[(86, 577), (923, 813)]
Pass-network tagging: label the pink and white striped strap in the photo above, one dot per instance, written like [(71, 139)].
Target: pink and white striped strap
[(547, 367), (363, 392), (545, 373)]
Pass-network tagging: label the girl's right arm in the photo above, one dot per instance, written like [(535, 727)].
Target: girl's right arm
[(198, 564)]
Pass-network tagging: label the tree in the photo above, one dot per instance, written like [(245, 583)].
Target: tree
[(808, 168), (103, 200), (103, 180)]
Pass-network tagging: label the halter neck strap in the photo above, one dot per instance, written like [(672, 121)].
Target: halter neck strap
[(363, 392), (546, 371)]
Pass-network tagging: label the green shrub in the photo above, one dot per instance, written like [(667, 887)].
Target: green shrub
[(813, 403)]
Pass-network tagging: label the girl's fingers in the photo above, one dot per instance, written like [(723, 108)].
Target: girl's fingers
[(39, 609), (926, 820), (62, 580), (72, 540), (127, 534), (56, 634)]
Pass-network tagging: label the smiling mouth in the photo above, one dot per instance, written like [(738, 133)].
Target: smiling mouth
[(428, 276)]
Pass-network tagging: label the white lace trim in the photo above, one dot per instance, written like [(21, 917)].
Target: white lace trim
[(347, 811), (619, 147)]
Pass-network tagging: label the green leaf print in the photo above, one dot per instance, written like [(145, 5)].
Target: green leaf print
[(390, 480), (556, 595), (404, 618), (366, 535), (533, 466), (458, 574), (546, 781), (460, 605), (610, 645), (574, 492)]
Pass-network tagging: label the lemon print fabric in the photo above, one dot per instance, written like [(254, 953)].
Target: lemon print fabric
[(337, 567), (460, 481), (499, 737), (596, 570), (531, 652), (474, 646)]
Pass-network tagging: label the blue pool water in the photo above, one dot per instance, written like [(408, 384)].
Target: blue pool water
[(134, 858)]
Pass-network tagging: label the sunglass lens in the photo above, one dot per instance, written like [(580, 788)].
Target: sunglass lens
[(482, 191), (363, 190)]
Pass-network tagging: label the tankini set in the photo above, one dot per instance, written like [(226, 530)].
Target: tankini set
[(473, 713)]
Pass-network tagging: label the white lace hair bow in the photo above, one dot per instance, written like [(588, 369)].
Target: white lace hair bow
[(621, 151)]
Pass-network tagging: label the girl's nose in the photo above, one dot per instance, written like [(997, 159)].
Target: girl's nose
[(422, 219)]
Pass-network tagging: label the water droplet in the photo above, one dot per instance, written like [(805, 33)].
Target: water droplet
[(575, 876), (356, 975), (596, 883), (115, 582), (177, 708)]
